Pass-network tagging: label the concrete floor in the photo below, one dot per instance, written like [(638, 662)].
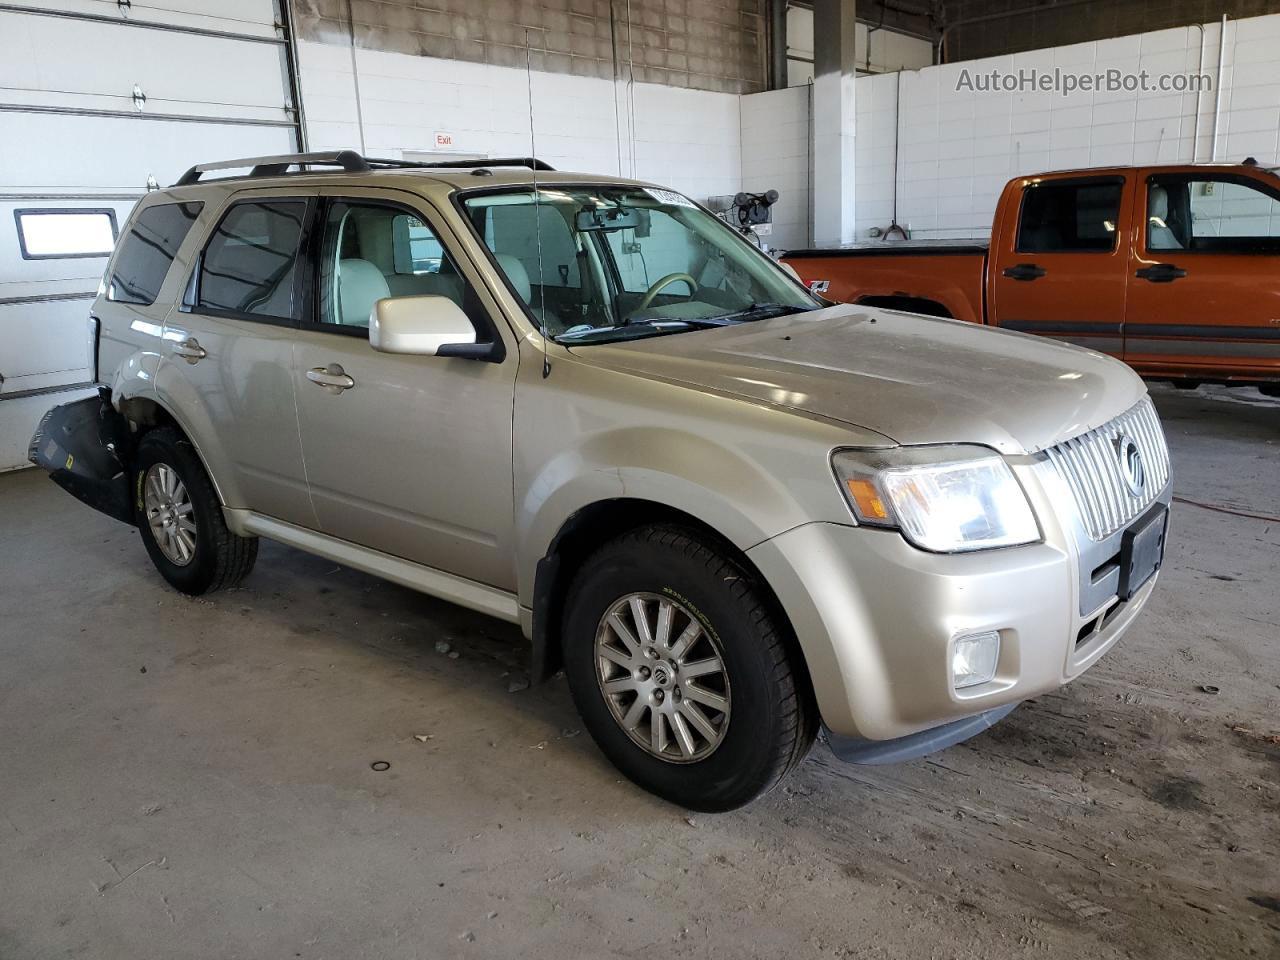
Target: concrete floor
[(191, 778)]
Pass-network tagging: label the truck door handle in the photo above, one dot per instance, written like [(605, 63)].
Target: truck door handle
[(1160, 273), (190, 350), (333, 378), (1025, 271)]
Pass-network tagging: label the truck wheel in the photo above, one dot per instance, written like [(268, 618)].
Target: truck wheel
[(181, 520), (682, 673)]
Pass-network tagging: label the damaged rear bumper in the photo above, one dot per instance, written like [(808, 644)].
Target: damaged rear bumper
[(87, 448)]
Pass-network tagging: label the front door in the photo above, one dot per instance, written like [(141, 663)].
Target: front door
[(1061, 270), (1204, 282), (227, 356), (413, 458)]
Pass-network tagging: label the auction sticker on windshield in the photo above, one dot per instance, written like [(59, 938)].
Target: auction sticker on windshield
[(669, 196)]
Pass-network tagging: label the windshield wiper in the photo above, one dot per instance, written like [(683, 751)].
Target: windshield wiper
[(762, 311), (654, 324)]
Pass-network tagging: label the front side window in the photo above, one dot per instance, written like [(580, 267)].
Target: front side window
[(147, 251), (374, 251), (65, 233), (1212, 214), (1070, 217), (251, 260), (593, 263)]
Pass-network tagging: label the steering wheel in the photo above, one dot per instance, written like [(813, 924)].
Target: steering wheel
[(651, 294)]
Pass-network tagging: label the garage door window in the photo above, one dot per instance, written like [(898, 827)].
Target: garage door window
[(65, 233), (147, 251), (249, 265)]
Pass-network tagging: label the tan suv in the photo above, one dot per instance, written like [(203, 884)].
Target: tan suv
[(728, 510)]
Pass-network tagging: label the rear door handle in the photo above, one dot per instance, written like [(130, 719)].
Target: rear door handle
[(190, 350), (1160, 273), (333, 378), (1025, 271)]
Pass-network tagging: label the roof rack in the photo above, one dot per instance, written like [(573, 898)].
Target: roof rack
[(349, 161)]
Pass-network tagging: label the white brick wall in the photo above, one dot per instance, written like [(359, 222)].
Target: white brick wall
[(687, 139), (775, 156), (956, 149)]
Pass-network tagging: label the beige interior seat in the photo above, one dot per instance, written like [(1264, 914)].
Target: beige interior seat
[(1159, 234), (360, 286)]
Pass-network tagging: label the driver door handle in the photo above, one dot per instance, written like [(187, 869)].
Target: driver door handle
[(190, 350), (1025, 271), (1160, 273), (333, 378)]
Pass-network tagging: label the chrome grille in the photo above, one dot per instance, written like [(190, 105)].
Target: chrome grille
[(1091, 466)]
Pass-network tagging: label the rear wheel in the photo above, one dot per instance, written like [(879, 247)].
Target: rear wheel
[(682, 672), (180, 518)]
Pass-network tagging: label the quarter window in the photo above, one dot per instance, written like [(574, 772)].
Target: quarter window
[(65, 233), (148, 249), (251, 260), (1069, 217)]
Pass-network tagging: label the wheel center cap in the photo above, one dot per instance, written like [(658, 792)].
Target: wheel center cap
[(663, 675)]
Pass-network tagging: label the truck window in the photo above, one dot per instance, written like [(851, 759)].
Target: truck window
[(249, 263), (1070, 217), (1212, 214), (147, 250)]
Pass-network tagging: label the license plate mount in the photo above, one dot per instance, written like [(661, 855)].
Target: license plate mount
[(1142, 551)]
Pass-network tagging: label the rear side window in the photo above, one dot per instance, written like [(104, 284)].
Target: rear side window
[(1070, 217), (251, 259), (147, 251)]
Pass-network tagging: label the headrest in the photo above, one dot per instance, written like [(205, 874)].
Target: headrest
[(1158, 203), (360, 286)]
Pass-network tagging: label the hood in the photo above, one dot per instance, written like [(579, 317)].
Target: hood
[(913, 379)]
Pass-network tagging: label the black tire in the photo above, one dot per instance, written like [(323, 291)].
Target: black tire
[(773, 719), (220, 559)]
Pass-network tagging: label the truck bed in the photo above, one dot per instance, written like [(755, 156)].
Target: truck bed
[(942, 278)]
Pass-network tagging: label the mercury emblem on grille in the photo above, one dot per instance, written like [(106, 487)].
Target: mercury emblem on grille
[(1132, 468)]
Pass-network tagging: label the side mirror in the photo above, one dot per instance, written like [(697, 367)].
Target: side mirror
[(425, 326)]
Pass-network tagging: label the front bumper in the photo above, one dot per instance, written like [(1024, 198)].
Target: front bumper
[(875, 618)]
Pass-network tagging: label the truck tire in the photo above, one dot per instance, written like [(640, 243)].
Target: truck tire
[(180, 518), (682, 671)]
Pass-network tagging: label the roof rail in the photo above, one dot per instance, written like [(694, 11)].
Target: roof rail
[(533, 163), (349, 161)]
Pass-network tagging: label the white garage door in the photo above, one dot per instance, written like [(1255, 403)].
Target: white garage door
[(100, 101)]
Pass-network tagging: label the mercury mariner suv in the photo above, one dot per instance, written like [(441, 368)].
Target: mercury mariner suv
[(729, 510)]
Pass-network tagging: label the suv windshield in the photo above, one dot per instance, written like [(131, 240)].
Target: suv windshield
[(595, 263)]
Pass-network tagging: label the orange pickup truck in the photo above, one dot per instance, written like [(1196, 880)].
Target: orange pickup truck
[(1174, 269)]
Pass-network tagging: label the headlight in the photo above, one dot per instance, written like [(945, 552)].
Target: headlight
[(944, 499)]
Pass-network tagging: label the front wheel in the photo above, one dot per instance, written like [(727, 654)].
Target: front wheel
[(180, 518), (682, 671)]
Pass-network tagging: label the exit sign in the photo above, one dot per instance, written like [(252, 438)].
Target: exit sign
[(443, 140)]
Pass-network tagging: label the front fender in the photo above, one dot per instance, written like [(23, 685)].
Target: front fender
[(737, 498)]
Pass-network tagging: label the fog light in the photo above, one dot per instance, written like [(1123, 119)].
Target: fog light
[(973, 659)]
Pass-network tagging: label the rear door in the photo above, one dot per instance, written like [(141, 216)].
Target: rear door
[(1060, 269), (1204, 281), (412, 457), (227, 358)]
